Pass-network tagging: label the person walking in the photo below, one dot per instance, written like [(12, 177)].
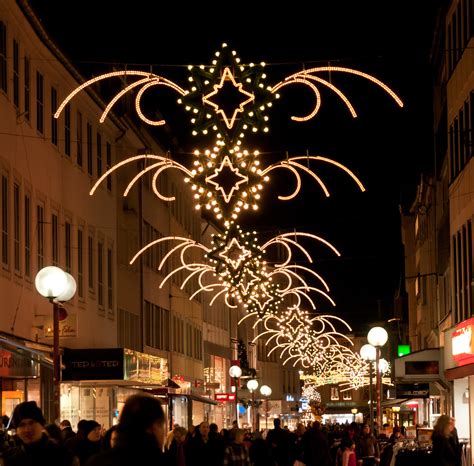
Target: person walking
[(236, 454), (140, 435), (278, 441), (203, 449), (315, 447), (34, 447), (367, 448), (90, 444), (175, 453), (66, 430), (443, 450)]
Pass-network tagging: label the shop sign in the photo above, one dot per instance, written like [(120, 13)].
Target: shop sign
[(225, 397), (413, 390), (15, 365), (421, 367), (93, 364), (67, 327), (463, 343), (341, 404), (213, 385)]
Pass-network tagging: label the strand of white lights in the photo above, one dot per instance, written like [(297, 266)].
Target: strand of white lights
[(292, 165), (150, 77)]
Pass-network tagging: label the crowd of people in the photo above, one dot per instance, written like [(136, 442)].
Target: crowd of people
[(140, 439)]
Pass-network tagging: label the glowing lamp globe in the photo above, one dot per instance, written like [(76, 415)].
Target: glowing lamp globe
[(51, 282), (252, 384), (265, 390), (377, 336), (235, 372), (383, 365), (368, 353), (354, 410), (69, 291)]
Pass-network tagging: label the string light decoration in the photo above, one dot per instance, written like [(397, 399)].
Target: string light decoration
[(235, 268), (310, 392), (228, 99)]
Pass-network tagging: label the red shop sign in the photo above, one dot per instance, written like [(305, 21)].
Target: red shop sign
[(224, 397)]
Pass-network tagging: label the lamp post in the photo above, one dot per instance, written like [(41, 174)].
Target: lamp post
[(252, 385), (377, 337), (368, 353), (235, 372), (266, 391), (354, 412), (57, 286)]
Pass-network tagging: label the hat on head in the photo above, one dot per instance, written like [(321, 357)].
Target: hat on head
[(89, 426), (27, 410)]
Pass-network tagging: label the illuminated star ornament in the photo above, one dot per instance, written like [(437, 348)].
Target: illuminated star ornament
[(219, 178)]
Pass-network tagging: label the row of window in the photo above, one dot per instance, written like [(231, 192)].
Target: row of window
[(291, 381), (461, 137), (463, 273), (336, 394), (187, 339), (459, 32), (29, 232), (157, 320), (45, 106)]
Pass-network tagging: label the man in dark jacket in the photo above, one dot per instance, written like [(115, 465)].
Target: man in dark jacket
[(315, 447), (367, 447), (278, 441), (204, 449), (66, 430), (33, 445), (140, 435)]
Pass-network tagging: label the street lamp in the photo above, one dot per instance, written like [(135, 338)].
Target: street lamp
[(377, 337), (369, 353), (252, 385), (58, 286), (235, 372), (266, 391), (354, 412)]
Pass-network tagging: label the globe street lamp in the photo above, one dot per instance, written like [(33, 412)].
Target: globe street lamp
[(377, 337), (235, 372), (369, 353), (58, 286), (354, 412), (266, 391), (252, 385)]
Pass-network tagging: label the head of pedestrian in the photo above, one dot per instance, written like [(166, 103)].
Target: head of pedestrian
[(65, 424), (179, 434), (239, 436), (204, 429), (366, 429), (29, 422), (92, 431), (142, 419), (276, 423)]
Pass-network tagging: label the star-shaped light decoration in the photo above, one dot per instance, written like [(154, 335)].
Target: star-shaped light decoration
[(234, 253), (207, 83), (227, 174), (247, 97)]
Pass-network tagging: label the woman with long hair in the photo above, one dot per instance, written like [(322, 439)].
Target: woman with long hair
[(443, 453)]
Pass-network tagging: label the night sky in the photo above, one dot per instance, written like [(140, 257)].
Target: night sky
[(387, 147)]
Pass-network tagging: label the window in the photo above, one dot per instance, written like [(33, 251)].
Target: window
[(39, 102), (40, 235), (5, 220), (80, 264), (99, 155), (26, 87), (27, 235), (347, 395), (108, 161), (334, 393), (3, 57), (16, 74), (90, 265), (67, 130), (54, 121), (178, 336), (156, 326), (100, 273), (128, 326), (89, 148), (16, 227), (110, 296), (79, 138), (54, 239), (67, 234)]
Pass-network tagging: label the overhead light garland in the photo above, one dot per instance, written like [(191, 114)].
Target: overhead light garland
[(228, 178)]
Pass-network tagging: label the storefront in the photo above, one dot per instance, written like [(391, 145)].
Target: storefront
[(26, 374), (459, 363), (422, 392), (96, 382)]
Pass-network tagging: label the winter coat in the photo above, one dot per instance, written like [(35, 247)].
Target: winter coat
[(443, 453)]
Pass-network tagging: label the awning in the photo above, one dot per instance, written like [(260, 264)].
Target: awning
[(459, 372), (195, 397), (29, 349)]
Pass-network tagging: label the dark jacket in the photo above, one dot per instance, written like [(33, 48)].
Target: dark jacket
[(137, 450), (367, 446), (315, 448), (42, 453), (200, 453), (443, 452), (84, 449), (278, 441), (67, 433)]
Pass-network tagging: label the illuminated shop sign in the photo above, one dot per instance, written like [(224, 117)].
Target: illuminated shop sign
[(224, 397), (462, 343)]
